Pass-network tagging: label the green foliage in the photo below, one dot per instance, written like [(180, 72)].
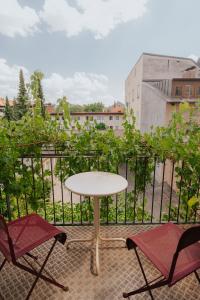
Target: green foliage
[(37, 92), (76, 108), (63, 108), (8, 112), (100, 126), (92, 107), (180, 142), (26, 186), (21, 106)]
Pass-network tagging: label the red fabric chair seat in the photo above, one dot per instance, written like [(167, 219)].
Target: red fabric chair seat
[(159, 245), (26, 233)]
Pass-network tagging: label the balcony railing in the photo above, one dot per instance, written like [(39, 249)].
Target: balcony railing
[(158, 192)]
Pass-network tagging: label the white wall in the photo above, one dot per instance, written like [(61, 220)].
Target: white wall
[(133, 90), (153, 108)]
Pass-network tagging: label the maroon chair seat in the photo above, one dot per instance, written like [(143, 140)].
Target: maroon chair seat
[(19, 237), (27, 233), (173, 251)]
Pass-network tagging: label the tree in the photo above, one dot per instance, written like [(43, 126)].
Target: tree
[(75, 108), (100, 126), (63, 107), (37, 91), (94, 107), (8, 113), (21, 106)]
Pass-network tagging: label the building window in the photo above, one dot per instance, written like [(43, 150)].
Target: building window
[(198, 91), (178, 91), (87, 118), (188, 90), (91, 118), (110, 118), (78, 118), (117, 118)]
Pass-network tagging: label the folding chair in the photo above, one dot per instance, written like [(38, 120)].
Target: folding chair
[(173, 251), (19, 237)]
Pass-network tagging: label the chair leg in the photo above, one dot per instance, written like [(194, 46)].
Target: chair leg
[(39, 274), (32, 256), (197, 276), (146, 287), (2, 265), (144, 275)]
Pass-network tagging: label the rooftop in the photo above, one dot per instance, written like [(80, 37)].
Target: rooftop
[(3, 102), (89, 113)]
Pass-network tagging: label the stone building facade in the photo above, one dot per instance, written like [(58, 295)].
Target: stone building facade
[(156, 86)]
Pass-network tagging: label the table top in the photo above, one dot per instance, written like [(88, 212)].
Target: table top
[(96, 183)]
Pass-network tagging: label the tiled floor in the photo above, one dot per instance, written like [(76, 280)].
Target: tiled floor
[(119, 272)]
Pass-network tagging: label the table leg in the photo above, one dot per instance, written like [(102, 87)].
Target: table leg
[(96, 237), (77, 241), (97, 230), (112, 239)]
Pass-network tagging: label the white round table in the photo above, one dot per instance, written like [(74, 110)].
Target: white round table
[(96, 184)]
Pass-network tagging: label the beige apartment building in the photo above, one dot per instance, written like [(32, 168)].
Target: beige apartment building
[(157, 85), (112, 120)]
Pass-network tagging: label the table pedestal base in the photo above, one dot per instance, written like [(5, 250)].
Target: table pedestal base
[(96, 238)]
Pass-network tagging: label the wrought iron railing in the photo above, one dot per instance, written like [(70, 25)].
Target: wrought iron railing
[(158, 190)]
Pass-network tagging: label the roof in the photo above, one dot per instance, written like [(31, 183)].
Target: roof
[(186, 79), (170, 56), (3, 102), (179, 100), (89, 113), (161, 55), (96, 113), (50, 108)]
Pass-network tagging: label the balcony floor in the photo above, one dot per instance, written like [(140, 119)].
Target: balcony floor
[(120, 272)]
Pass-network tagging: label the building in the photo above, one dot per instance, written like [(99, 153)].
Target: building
[(112, 120), (116, 107), (3, 104), (50, 108), (157, 85)]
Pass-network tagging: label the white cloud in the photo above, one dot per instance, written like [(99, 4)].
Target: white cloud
[(17, 20), (194, 57), (99, 17), (79, 88), (9, 78)]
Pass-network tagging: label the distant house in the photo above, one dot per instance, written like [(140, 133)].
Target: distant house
[(116, 107), (50, 108), (157, 85), (112, 120), (3, 104)]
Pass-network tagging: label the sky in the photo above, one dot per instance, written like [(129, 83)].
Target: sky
[(86, 48)]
